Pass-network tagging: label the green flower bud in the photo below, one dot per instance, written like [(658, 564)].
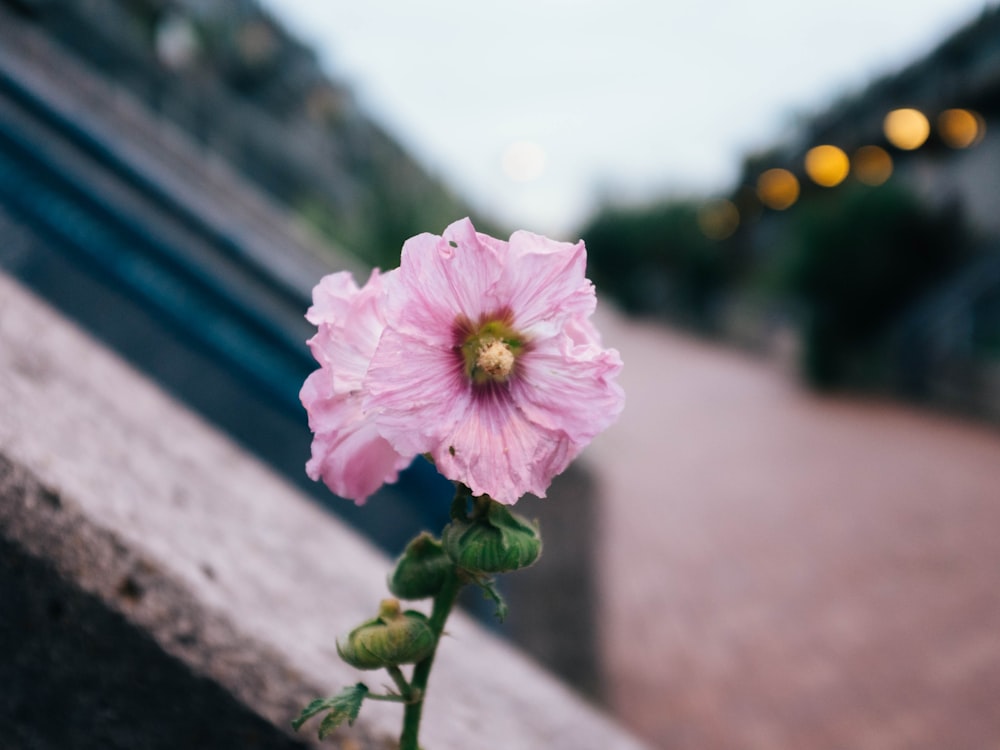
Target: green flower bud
[(494, 540), (388, 640), (422, 570)]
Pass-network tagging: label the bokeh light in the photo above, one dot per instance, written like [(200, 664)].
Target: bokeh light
[(718, 219), (872, 165), (827, 165), (523, 161), (960, 128), (906, 128), (777, 189), (176, 41)]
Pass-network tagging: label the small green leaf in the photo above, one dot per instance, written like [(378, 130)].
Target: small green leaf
[(490, 592), (309, 711), (330, 722), (344, 706)]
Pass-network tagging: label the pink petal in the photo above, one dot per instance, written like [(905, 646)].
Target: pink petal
[(332, 297), (544, 282), (495, 450), (567, 383), (348, 454), (442, 282), (424, 404), (415, 390)]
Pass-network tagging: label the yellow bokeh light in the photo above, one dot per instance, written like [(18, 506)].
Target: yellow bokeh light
[(960, 128), (906, 128), (872, 165), (777, 189), (827, 165), (718, 219)]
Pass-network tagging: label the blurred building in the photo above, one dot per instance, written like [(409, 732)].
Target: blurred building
[(176, 176), (228, 75), (929, 132)]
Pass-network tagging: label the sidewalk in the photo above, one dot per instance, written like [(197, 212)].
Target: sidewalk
[(782, 570)]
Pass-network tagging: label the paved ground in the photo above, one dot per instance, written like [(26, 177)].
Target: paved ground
[(781, 570)]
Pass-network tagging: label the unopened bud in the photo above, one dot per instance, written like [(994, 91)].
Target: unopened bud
[(388, 640), (496, 541), (422, 570)]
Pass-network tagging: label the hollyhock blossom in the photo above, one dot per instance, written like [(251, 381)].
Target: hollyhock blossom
[(489, 361), (348, 453)]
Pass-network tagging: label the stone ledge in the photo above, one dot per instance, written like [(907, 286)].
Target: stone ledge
[(135, 504), (103, 648)]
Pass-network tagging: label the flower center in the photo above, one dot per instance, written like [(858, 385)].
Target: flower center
[(489, 348), (495, 359)]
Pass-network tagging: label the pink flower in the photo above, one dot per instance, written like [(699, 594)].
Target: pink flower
[(348, 453), (489, 361)]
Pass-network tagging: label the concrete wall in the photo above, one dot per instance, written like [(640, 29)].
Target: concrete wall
[(162, 588)]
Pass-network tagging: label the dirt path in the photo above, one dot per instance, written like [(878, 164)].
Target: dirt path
[(781, 570)]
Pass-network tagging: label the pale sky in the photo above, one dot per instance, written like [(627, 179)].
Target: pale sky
[(532, 110)]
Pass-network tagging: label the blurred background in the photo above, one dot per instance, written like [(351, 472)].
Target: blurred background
[(792, 214)]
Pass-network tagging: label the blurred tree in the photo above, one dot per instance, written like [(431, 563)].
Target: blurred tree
[(655, 259), (858, 257), (238, 83)]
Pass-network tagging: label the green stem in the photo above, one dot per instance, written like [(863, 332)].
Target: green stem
[(389, 698), (443, 603), (405, 689)]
